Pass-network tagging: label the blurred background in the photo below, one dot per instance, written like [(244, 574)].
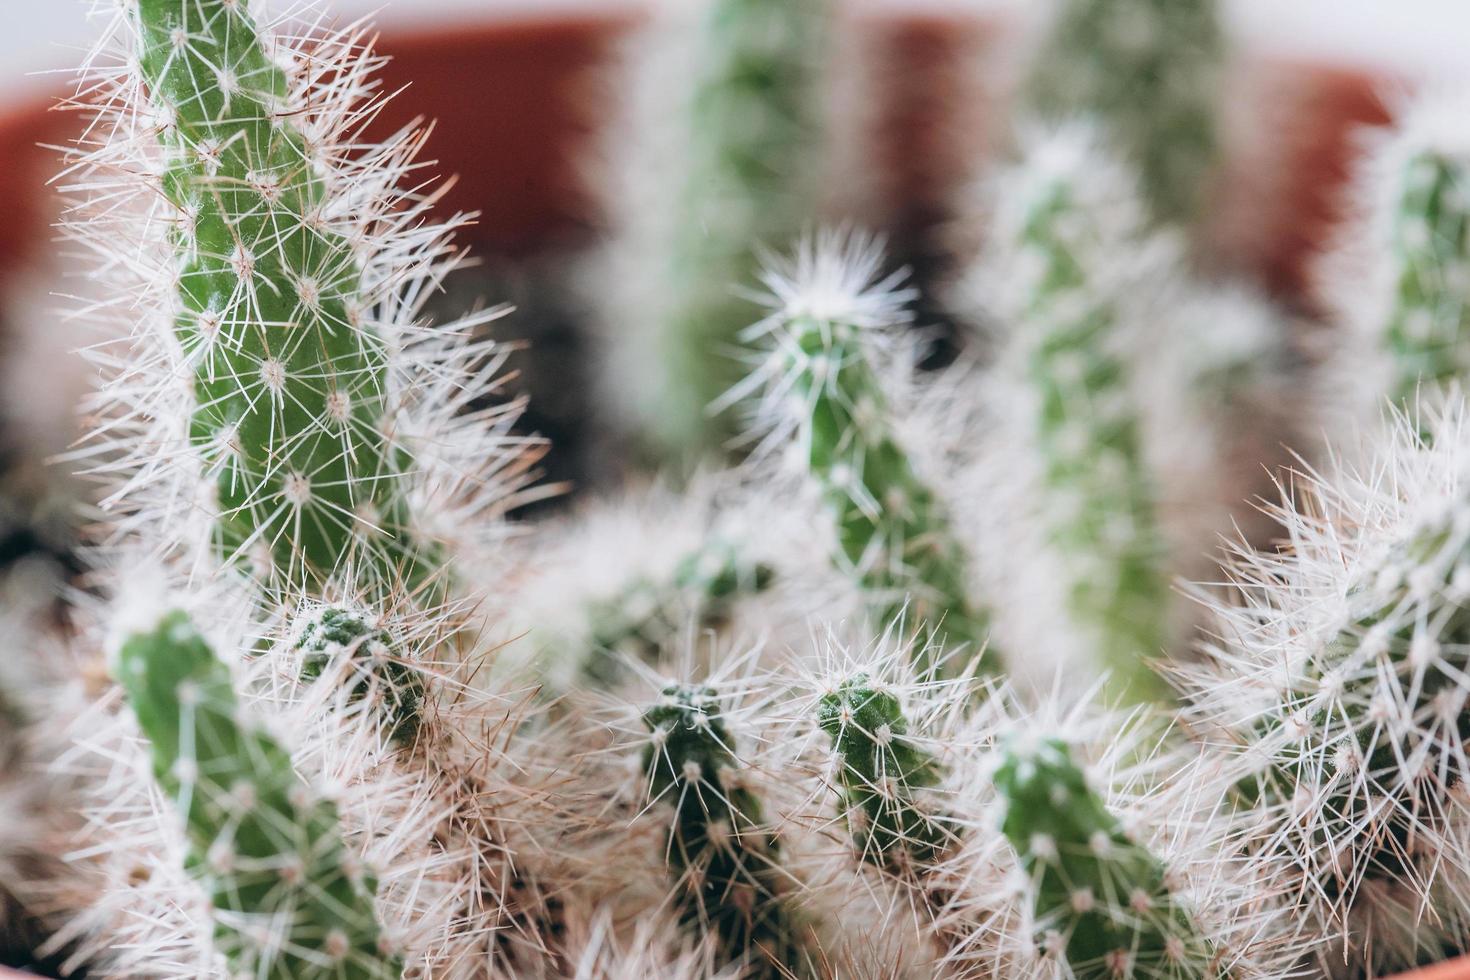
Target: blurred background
[(519, 87)]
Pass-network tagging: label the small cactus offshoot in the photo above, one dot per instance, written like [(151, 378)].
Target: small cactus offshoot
[(1103, 902), (395, 687), (727, 860), (884, 776), (830, 308), (289, 900)]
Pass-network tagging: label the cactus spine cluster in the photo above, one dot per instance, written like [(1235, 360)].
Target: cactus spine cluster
[(731, 162), (1149, 71), (291, 416), (884, 775), (1102, 901), (726, 859), (288, 900), (830, 309)]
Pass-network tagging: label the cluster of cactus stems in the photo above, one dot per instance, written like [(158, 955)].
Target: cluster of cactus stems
[(1333, 838), (820, 386), (723, 158), (1101, 899), (287, 898)]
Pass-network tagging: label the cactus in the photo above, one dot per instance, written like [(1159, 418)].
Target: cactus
[(1347, 693), (1419, 229), (288, 899), (727, 861), (829, 309), (291, 415), (647, 614), (1101, 900), (396, 687), (882, 774), (1149, 72), (1070, 245), (717, 156)]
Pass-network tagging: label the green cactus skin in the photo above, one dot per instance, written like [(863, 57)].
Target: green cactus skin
[(882, 771), (728, 864), (1101, 899), (1150, 72), (746, 167), (1101, 511), (397, 686), (291, 417), (643, 619), (289, 902), (893, 533), (1428, 330)]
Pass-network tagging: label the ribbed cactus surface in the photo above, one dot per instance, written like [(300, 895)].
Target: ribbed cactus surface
[(292, 418), (727, 861), (1149, 72), (884, 775), (289, 901), (1103, 902)]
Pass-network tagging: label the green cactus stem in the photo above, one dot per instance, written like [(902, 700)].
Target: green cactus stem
[(1100, 508), (1428, 326), (397, 689), (1149, 71), (289, 902), (883, 776), (736, 164), (647, 615), (1101, 899), (728, 863), (291, 417), (894, 537)]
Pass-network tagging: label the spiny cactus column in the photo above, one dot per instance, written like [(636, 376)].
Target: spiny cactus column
[(1422, 236), (1072, 213), (830, 308), (727, 861), (648, 614), (883, 776), (288, 899), (395, 688), (1102, 901), (1149, 73), (718, 156), (1344, 678), (292, 419)]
